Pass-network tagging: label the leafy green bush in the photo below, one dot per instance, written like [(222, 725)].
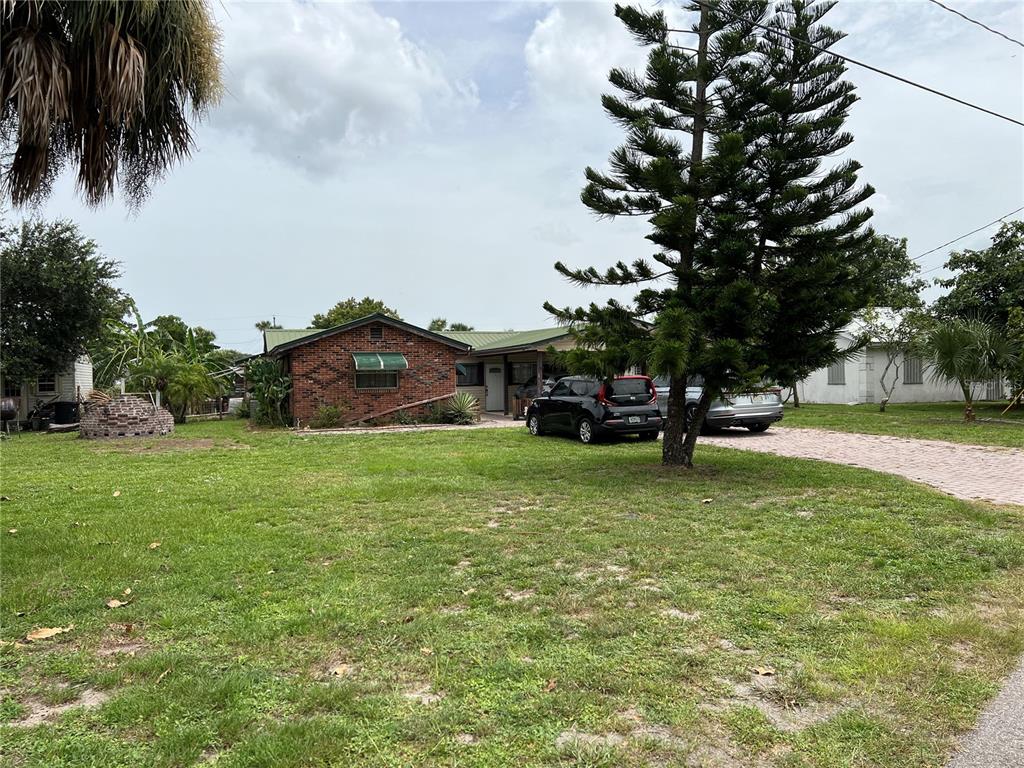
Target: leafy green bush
[(269, 387), (327, 417), (461, 408)]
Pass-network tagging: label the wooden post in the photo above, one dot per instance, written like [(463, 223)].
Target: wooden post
[(507, 379)]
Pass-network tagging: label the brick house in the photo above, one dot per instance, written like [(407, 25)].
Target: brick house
[(376, 365), (367, 367)]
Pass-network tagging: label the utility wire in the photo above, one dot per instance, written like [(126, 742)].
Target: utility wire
[(860, 64), (958, 239), (975, 21)]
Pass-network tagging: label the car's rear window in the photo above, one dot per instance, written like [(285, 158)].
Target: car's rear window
[(628, 390)]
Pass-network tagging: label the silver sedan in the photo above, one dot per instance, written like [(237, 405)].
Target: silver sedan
[(754, 410)]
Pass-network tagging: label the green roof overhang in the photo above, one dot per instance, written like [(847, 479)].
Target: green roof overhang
[(380, 361)]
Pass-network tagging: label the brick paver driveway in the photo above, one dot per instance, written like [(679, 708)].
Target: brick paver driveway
[(964, 471)]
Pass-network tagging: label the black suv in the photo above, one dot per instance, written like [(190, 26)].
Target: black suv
[(590, 408)]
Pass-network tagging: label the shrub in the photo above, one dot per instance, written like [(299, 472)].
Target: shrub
[(461, 408), (269, 386), (326, 417)]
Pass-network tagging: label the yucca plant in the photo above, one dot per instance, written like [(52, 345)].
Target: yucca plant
[(108, 86), (461, 408)]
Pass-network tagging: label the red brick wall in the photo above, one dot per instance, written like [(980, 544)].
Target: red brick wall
[(323, 372)]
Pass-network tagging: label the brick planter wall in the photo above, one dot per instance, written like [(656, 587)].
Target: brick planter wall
[(125, 416), (323, 372)]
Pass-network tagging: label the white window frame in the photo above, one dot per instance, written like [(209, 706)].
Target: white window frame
[(52, 391)]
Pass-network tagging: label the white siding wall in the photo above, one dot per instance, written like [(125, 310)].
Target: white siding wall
[(862, 384)]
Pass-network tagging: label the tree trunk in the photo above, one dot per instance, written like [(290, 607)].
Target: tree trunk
[(968, 401), (676, 448), (796, 395), (690, 444), (672, 444)]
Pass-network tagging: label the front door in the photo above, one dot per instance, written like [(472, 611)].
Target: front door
[(495, 381)]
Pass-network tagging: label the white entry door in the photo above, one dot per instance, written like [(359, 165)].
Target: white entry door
[(495, 381)]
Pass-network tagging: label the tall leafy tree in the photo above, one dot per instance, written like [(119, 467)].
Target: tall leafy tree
[(107, 86), (762, 250), (352, 309), (57, 296), (989, 282)]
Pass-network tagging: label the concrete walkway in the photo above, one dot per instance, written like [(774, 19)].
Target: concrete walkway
[(965, 471), (998, 739)]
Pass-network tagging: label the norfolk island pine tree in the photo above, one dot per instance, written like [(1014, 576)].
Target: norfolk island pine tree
[(762, 251)]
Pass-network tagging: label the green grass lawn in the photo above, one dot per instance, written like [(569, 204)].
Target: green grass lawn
[(934, 421), (483, 598)]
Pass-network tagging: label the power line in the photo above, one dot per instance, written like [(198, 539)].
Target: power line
[(958, 239), (870, 67), (975, 21)]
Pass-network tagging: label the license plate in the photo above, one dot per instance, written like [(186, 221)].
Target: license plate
[(634, 419)]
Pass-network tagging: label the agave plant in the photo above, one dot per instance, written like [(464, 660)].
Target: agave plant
[(106, 86), (461, 408)]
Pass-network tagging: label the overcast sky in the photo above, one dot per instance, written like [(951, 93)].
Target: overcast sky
[(431, 155)]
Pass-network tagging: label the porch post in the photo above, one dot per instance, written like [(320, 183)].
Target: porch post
[(506, 377), (540, 373)]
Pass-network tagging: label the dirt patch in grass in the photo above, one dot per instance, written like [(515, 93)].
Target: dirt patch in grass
[(163, 445), (40, 713), (121, 639), (517, 596), (788, 716), (422, 693)]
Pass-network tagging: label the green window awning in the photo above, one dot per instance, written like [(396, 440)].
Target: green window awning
[(380, 361)]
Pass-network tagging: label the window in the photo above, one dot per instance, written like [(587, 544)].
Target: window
[(561, 389), (584, 387), (377, 380), (12, 388), (469, 374), (837, 373), (912, 371), (46, 385), (522, 373), (376, 333)]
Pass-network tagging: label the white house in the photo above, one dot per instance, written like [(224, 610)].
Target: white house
[(856, 380), (70, 385)]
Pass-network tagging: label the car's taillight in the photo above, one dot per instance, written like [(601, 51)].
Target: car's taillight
[(654, 395), (602, 398)]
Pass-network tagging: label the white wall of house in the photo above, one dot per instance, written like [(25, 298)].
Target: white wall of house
[(67, 386), (862, 385)]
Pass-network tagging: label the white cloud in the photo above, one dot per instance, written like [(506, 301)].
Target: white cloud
[(570, 52), (313, 85)]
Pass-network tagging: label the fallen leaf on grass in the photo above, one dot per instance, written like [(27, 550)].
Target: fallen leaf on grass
[(427, 651), (5, 498), (163, 675), (551, 685), (45, 633), (115, 603), (340, 670), (763, 671), (127, 591), (706, 501), (13, 531), (117, 493), (154, 545)]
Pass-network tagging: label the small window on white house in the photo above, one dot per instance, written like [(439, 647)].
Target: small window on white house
[(46, 385), (376, 333), (913, 372), (837, 373)]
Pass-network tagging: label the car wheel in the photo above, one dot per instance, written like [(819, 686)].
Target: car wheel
[(585, 431), (758, 427), (533, 424)]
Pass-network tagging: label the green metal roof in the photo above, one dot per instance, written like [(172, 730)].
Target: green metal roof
[(485, 341), (273, 337), (478, 341), (380, 361)]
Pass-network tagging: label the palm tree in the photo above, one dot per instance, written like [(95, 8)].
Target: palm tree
[(105, 85), (964, 352)]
